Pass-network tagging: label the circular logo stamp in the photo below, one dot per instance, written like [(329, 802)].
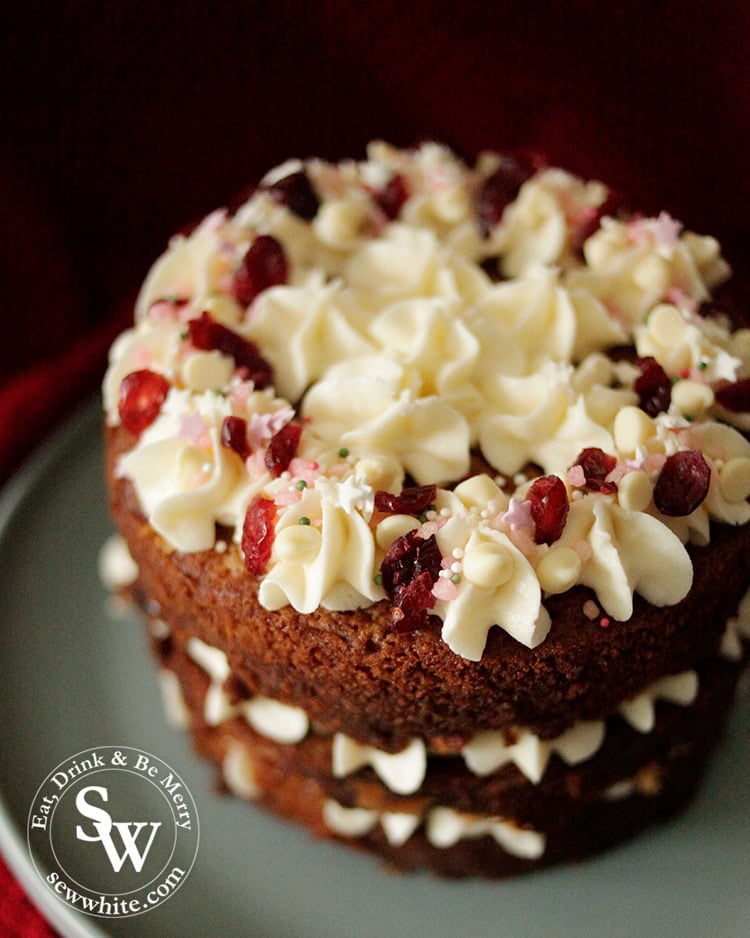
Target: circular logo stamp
[(113, 831)]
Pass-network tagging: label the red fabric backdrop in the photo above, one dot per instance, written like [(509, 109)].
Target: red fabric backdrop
[(120, 122)]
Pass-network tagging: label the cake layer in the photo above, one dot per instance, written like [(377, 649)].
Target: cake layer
[(384, 687), (628, 752), (458, 823)]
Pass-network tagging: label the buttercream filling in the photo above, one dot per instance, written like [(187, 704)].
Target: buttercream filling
[(443, 828), (117, 569), (404, 772)]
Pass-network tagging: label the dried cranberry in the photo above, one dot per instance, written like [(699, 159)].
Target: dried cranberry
[(597, 465), (258, 533), (501, 188), (263, 266), (234, 436), (549, 508), (207, 334), (412, 500), (734, 397), (296, 192), (141, 395), (653, 387), (391, 199), (682, 484), (282, 448), (409, 570)]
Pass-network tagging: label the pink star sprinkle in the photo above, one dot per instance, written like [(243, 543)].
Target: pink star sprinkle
[(263, 426), (194, 430), (666, 230), (576, 476), (256, 466), (518, 515), (305, 470), (678, 297), (288, 496), (445, 589)]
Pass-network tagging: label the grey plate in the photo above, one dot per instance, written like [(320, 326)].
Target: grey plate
[(74, 677)]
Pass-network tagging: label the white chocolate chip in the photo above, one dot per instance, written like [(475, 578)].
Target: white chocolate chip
[(297, 543), (666, 324), (477, 491), (222, 308), (451, 205), (338, 222), (487, 565), (635, 491), (740, 344), (691, 397), (734, 479), (559, 570), (206, 371), (632, 428), (393, 527)]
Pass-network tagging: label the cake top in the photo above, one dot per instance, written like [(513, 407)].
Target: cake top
[(455, 389)]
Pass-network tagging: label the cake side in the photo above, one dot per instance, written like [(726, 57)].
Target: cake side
[(384, 687)]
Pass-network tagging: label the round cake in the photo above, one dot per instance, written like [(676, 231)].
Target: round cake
[(432, 481)]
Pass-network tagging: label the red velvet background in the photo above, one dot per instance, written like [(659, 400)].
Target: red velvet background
[(121, 122)]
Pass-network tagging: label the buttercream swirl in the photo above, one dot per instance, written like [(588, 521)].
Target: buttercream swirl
[(327, 561), (632, 266), (628, 552), (538, 226)]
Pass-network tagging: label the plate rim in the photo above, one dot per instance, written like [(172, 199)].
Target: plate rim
[(15, 490), (48, 453)]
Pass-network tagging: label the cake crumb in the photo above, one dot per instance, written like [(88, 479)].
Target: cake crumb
[(590, 609)]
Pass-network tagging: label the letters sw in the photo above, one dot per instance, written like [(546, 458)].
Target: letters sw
[(129, 831)]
